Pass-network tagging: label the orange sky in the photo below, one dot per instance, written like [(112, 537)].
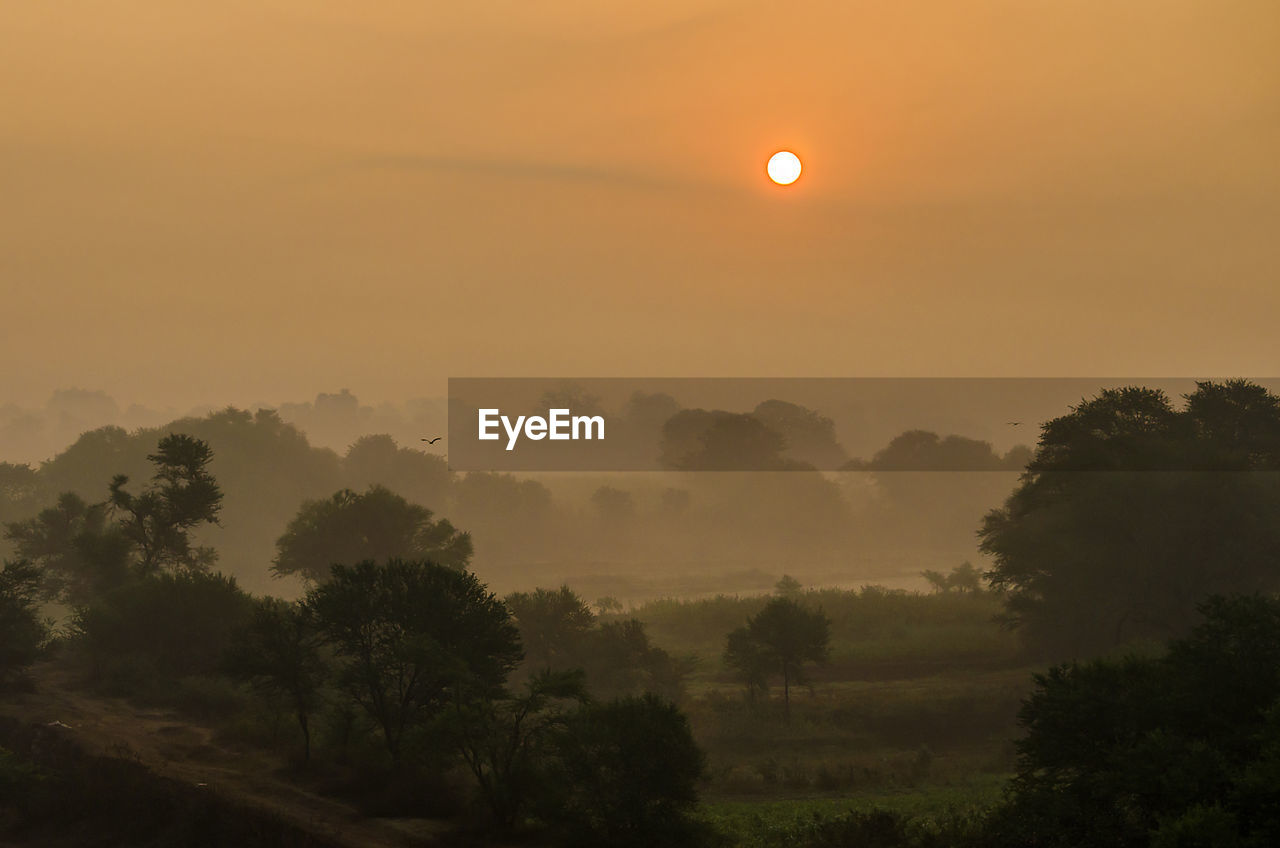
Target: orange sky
[(263, 200)]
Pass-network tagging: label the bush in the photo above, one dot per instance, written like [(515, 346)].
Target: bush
[(625, 774), (169, 624), (1186, 746)]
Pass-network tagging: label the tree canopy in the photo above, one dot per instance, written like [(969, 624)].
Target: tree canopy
[(626, 772), (552, 622), (1182, 749), (278, 652), (408, 633), (376, 524), (1132, 511), (84, 548), (183, 495), (779, 640)]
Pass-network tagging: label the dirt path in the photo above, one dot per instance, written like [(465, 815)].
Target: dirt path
[(174, 747)]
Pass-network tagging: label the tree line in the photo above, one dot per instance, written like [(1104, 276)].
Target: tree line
[(410, 651)]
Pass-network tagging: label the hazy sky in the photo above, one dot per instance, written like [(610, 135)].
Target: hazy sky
[(263, 199)]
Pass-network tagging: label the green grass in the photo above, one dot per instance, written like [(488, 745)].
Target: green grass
[(762, 822), (916, 711)]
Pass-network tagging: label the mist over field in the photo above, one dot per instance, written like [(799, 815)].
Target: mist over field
[(928, 494), (825, 654), (632, 536)]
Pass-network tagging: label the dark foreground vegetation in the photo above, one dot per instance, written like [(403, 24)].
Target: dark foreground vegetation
[(1113, 681), (54, 793)]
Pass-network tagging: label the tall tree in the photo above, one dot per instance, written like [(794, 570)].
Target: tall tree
[(1132, 511), (183, 495), (505, 741), (279, 654), (410, 632)]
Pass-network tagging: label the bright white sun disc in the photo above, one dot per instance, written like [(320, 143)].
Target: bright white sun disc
[(784, 167)]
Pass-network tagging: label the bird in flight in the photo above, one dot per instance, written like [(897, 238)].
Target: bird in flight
[(1013, 423), (433, 441)]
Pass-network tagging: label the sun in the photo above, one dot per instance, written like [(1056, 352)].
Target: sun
[(784, 167)]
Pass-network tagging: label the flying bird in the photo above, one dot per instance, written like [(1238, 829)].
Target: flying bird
[(433, 441), (1013, 423)]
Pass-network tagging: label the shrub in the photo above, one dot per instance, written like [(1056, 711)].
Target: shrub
[(179, 624), (625, 774)]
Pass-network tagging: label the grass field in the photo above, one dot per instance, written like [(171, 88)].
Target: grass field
[(915, 712), (764, 822)]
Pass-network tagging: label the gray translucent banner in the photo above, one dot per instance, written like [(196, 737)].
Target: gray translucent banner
[(767, 424)]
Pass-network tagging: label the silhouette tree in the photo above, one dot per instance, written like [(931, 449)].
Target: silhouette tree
[(80, 553), (781, 638), (620, 659), (377, 524), (937, 580), (698, 440), (922, 450), (1132, 511), (264, 467), (183, 495), (408, 633), (608, 605), (810, 437), (962, 579), (378, 461), (85, 549), (965, 578), (625, 774), (279, 654), (552, 623), (505, 741), (1181, 749), (788, 587)]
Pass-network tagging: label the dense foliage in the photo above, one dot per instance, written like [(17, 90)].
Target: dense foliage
[(1132, 511), (353, 527), (628, 770), (1183, 749), (407, 634), (158, 627), (22, 631)]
